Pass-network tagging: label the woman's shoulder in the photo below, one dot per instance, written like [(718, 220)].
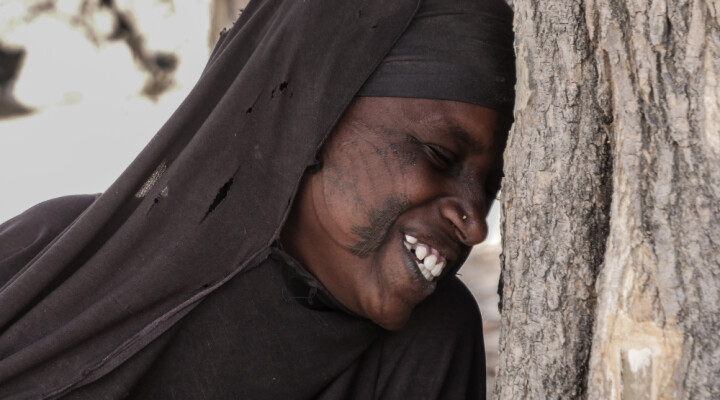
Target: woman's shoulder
[(25, 235), (55, 212)]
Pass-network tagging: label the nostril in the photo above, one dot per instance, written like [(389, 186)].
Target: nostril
[(468, 223), (460, 233)]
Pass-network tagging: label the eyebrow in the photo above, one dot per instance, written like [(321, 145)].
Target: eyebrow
[(463, 137)]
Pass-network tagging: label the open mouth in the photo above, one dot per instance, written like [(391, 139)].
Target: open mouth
[(428, 259)]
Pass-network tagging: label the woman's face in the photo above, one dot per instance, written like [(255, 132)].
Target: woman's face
[(402, 194)]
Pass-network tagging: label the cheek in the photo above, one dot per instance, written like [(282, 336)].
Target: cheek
[(359, 177), (363, 180)]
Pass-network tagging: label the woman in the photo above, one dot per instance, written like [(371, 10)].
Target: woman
[(242, 255)]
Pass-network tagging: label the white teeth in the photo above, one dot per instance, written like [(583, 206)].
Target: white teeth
[(426, 272), (430, 261), (410, 239), (421, 251), (437, 269)]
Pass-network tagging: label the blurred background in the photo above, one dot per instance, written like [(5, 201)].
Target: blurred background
[(85, 84)]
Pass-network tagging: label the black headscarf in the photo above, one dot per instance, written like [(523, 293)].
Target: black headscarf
[(459, 50), (202, 202)]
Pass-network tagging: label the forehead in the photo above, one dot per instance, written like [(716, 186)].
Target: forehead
[(475, 127)]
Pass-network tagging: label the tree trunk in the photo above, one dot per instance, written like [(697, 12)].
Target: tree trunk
[(555, 207), (611, 232)]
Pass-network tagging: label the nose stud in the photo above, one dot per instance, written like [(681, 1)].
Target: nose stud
[(464, 217)]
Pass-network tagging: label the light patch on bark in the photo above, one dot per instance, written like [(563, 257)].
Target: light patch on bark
[(639, 352), (523, 89), (659, 287), (711, 100), (630, 318), (639, 360)]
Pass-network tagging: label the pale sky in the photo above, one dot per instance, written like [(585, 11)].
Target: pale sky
[(89, 119)]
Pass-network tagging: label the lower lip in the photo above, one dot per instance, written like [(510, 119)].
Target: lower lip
[(426, 286)]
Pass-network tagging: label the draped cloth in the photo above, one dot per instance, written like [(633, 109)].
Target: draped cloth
[(453, 50), (204, 201)]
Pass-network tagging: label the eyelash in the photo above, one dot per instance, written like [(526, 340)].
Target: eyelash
[(445, 159), (440, 156)]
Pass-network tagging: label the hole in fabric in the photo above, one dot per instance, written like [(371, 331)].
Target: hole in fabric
[(156, 200), (248, 111), (222, 193), (283, 86)]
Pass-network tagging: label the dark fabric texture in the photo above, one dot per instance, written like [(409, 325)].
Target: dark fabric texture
[(262, 337), (89, 283), (458, 50), (274, 332), (204, 200)]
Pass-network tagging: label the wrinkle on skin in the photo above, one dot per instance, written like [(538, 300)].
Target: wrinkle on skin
[(373, 235)]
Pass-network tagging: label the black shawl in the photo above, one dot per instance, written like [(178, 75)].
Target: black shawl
[(204, 200)]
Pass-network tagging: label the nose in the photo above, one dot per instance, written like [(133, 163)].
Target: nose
[(467, 215)]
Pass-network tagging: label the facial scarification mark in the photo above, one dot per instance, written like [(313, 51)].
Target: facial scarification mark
[(380, 220), (409, 156), (221, 195), (381, 152), (395, 148)]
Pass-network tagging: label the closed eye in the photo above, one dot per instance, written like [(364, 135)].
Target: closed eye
[(440, 156)]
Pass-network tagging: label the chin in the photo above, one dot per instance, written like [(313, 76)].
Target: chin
[(392, 319), (394, 324)]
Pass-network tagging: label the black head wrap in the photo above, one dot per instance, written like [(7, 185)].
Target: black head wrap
[(458, 50), (204, 201)]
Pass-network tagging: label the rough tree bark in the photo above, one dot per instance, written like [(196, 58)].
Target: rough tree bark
[(611, 232), (555, 205)]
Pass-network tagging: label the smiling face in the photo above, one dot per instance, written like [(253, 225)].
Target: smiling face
[(402, 194)]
